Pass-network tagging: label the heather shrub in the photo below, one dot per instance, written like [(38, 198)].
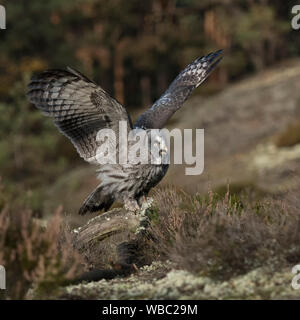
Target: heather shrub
[(36, 253), (223, 236)]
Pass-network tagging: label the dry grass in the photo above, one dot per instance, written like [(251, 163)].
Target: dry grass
[(223, 236)]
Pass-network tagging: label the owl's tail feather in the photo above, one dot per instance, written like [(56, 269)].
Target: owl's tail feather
[(96, 201)]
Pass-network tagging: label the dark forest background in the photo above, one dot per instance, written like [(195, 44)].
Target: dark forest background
[(133, 49)]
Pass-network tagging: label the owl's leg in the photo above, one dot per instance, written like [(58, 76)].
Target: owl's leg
[(131, 205), (145, 202), (141, 200)]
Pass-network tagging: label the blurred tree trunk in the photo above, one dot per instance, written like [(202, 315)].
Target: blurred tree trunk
[(146, 90), (213, 30), (119, 72)]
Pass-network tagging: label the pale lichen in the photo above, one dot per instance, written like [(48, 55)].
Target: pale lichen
[(161, 281)]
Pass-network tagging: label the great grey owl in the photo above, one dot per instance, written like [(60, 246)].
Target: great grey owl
[(80, 108)]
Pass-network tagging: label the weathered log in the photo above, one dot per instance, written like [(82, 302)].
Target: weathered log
[(111, 238), (106, 225)]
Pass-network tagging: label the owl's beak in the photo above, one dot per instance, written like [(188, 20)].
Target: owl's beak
[(162, 151)]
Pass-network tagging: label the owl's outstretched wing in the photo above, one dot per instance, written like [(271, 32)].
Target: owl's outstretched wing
[(178, 92), (78, 106)]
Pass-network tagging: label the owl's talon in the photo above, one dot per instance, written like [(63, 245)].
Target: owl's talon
[(147, 203), (132, 206)]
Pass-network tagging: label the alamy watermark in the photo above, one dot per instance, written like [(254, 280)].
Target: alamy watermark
[(296, 279), (2, 278), (2, 17), (151, 146), (296, 19)]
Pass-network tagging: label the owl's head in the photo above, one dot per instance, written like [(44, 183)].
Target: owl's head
[(158, 147)]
